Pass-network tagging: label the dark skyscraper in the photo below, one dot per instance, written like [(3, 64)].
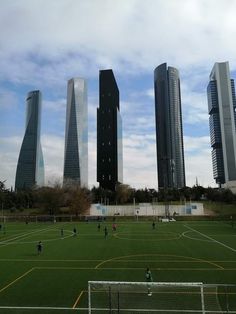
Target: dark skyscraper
[(30, 167), (222, 111), (109, 133), (76, 135), (169, 131)]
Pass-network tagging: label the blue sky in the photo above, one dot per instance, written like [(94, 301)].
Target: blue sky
[(45, 43)]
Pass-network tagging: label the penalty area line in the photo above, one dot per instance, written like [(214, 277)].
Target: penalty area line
[(212, 239), (18, 278), (77, 300), (42, 308)]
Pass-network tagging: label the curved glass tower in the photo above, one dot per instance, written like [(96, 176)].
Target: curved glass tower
[(169, 130), (76, 135), (30, 167)]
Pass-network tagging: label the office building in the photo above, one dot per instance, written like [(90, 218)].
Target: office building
[(76, 134), (222, 111), (109, 133), (30, 167), (169, 130)]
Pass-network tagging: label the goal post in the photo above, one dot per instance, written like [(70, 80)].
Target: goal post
[(135, 297)]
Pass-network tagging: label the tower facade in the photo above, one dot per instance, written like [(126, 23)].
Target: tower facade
[(76, 133), (169, 130), (30, 166), (222, 111), (109, 133)]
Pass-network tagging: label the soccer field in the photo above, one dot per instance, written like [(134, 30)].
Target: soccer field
[(56, 281)]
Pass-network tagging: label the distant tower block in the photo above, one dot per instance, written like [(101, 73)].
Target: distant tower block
[(169, 130), (76, 135), (222, 111), (109, 133), (30, 167)]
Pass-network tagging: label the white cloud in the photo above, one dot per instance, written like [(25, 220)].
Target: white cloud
[(55, 105), (10, 147), (53, 150), (196, 144), (139, 158), (141, 34), (139, 153), (8, 100), (194, 105), (198, 162), (44, 43)]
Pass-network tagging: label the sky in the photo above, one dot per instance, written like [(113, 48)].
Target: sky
[(45, 43)]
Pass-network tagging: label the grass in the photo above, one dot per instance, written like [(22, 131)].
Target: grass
[(220, 208), (58, 278)]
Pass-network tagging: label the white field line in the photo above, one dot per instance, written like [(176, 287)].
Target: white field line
[(212, 239), (8, 241), (42, 308), (108, 310)]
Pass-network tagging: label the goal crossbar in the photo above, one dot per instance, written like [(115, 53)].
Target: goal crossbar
[(133, 283)]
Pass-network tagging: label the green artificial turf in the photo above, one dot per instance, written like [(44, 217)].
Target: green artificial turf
[(56, 281)]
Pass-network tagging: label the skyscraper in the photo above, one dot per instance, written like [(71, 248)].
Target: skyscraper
[(222, 111), (109, 133), (30, 167), (76, 134), (169, 131)]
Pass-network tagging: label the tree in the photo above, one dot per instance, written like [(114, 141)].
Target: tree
[(227, 196), (50, 199), (79, 201), (2, 193), (123, 193)]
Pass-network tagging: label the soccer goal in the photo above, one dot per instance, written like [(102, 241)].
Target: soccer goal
[(160, 297), (143, 297)]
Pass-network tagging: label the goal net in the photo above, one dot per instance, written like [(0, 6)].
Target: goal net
[(160, 297)]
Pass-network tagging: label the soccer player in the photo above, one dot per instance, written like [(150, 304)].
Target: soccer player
[(75, 232), (149, 279), (105, 232), (99, 226), (39, 247), (153, 225), (114, 227), (62, 233)]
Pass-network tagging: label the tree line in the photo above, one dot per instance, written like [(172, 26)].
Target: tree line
[(73, 199)]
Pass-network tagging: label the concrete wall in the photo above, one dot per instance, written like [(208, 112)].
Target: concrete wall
[(146, 209)]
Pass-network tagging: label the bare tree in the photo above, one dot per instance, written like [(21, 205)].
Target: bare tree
[(123, 193), (79, 201)]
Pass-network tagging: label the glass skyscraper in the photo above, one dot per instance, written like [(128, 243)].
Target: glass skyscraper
[(30, 167), (76, 133), (169, 130), (222, 111), (109, 133)]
